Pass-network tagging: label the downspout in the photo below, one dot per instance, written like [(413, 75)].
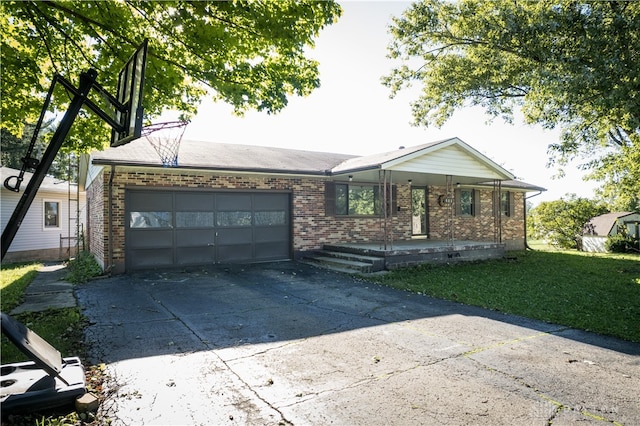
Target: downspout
[(110, 218), (524, 201)]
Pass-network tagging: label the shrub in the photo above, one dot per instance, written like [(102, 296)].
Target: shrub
[(83, 267), (620, 243)]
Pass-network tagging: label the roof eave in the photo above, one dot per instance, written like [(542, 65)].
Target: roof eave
[(215, 169)]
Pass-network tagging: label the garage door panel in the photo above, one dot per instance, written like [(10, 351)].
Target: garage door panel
[(226, 202), (271, 251), (149, 238), (231, 236), (194, 201), (272, 201), (150, 200), (234, 253), (270, 234), (154, 257), (195, 237), (195, 255)]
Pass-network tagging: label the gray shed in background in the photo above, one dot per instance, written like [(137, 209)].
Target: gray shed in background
[(599, 228)]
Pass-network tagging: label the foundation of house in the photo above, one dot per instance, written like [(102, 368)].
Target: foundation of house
[(373, 257)]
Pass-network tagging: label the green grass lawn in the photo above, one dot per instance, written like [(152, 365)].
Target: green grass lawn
[(594, 292), (62, 328)]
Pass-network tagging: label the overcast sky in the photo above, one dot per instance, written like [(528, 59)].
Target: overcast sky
[(351, 112)]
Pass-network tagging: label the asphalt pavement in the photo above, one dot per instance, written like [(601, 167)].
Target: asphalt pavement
[(288, 343)]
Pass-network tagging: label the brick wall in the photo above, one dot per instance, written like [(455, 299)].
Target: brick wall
[(311, 226), (479, 227), (97, 214)]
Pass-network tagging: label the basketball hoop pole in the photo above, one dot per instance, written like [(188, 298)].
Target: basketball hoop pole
[(87, 80), (127, 108)]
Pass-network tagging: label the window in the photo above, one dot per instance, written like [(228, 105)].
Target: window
[(357, 200), (271, 218), (150, 220), (51, 214), (343, 199), (505, 204), (467, 202), (194, 219), (233, 218)]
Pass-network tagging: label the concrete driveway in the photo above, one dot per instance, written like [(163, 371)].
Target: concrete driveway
[(287, 343)]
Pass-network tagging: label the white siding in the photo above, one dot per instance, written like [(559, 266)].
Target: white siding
[(593, 243), (32, 234), (451, 160)]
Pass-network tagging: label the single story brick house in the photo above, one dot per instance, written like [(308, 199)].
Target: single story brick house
[(229, 203)]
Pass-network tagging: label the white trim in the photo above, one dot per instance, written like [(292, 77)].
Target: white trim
[(44, 213)]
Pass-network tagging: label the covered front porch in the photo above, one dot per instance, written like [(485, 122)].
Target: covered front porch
[(373, 257)]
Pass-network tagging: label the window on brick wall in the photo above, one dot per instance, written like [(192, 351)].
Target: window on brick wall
[(467, 202), (343, 199), (506, 203)]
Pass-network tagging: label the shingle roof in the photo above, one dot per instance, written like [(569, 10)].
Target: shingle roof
[(235, 157), (602, 225), (374, 160), (209, 155), (49, 183)]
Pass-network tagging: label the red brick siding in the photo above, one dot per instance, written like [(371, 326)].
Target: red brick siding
[(97, 239), (479, 227)]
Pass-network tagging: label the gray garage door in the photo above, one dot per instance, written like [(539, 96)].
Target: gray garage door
[(175, 228)]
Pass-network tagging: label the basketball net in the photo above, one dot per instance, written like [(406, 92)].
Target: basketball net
[(165, 139)]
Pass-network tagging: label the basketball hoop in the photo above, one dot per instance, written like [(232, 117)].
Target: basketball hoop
[(165, 139)]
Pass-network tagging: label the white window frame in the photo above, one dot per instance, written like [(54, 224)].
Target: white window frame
[(44, 215)]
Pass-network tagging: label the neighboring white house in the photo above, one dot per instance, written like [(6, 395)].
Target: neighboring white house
[(45, 231), (599, 228)]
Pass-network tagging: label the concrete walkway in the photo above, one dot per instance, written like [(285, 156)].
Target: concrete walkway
[(48, 291)]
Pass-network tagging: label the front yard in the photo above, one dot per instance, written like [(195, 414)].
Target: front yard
[(594, 292)]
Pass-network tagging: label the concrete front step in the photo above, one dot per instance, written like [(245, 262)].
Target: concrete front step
[(347, 262), (376, 262)]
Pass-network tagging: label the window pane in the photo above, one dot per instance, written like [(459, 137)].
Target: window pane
[(51, 214), (150, 220), (466, 202), (238, 218), (504, 203), (270, 218), (362, 200), (194, 219), (342, 192)]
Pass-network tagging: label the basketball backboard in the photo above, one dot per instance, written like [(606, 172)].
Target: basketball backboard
[(130, 88)]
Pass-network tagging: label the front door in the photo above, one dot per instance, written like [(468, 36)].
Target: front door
[(419, 211)]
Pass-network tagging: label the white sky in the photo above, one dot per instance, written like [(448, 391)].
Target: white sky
[(351, 112)]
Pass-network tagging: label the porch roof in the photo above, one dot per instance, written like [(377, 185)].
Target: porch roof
[(446, 157)]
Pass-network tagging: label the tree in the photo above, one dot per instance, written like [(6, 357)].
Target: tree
[(568, 64), (249, 54), (14, 149), (561, 222)]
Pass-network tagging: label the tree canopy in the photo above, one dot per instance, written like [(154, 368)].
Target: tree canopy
[(568, 64), (248, 54), (561, 222)]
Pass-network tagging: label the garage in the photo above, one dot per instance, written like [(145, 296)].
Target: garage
[(178, 228)]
